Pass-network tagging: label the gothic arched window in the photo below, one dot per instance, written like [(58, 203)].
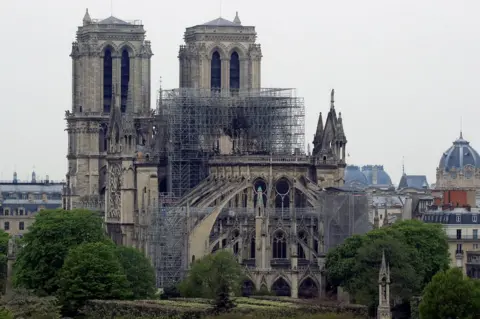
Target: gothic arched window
[(125, 78), (234, 72), (279, 245), (107, 80), (216, 71), (252, 247)]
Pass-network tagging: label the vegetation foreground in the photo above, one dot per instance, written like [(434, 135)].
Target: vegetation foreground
[(253, 307)]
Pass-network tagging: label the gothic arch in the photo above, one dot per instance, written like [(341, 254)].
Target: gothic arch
[(279, 244), (129, 47), (236, 47), (281, 286), (248, 287), (220, 48), (198, 237), (108, 45), (284, 177), (308, 288)]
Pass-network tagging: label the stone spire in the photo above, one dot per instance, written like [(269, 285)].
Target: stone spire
[(332, 99), (317, 138), (383, 311), (260, 197), (86, 18), (237, 19), (115, 126)]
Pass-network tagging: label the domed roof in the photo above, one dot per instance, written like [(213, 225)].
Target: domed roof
[(354, 177), (459, 155), (376, 175)]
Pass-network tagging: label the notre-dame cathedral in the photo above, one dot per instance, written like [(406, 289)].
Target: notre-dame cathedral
[(220, 163)]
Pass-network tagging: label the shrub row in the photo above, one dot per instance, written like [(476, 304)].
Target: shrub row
[(199, 308)]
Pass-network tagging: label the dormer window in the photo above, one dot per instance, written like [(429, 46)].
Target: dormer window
[(474, 218), (459, 218)]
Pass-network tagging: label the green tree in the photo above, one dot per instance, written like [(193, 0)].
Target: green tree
[(414, 250), (92, 271), (4, 237), (341, 260), (212, 275), (47, 243), (139, 271), (430, 240), (450, 295)]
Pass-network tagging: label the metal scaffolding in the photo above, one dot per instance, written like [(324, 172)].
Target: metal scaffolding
[(260, 121), (344, 214)]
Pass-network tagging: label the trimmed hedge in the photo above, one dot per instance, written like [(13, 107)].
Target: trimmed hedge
[(182, 308)]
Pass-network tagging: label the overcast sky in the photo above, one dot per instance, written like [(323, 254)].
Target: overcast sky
[(404, 72)]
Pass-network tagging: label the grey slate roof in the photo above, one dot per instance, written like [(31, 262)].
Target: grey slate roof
[(31, 188), (221, 22), (413, 181), (354, 177), (112, 20), (459, 155), (450, 217), (382, 177)]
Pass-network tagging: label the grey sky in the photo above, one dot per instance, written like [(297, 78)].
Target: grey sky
[(404, 72)]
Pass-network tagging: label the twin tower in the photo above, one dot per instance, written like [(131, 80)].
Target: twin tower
[(111, 126)]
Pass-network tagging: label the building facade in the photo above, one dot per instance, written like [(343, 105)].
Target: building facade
[(220, 164), (21, 200), (459, 167), (110, 126), (462, 228)]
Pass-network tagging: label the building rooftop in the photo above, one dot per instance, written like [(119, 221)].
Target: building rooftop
[(459, 155)]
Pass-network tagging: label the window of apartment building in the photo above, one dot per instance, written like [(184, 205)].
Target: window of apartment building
[(21, 211), (459, 234), (21, 226), (459, 218), (7, 211), (6, 225), (459, 247), (475, 234), (474, 218), (475, 246)]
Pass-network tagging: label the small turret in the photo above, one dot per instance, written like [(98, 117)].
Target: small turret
[(237, 19), (15, 178), (332, 99), (86, 18)]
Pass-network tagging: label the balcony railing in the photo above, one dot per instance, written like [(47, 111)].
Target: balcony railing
[(463, 237)]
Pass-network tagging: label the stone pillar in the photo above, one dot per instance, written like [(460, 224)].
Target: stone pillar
[(8, 283), (294, 288)]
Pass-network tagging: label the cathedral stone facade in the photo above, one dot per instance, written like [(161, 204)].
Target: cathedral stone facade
[(255, 190), (110, 126)]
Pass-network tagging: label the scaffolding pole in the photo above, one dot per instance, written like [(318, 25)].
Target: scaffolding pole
[(261, 121)]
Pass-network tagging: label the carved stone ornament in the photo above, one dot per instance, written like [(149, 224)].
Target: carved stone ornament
[(114, 192)]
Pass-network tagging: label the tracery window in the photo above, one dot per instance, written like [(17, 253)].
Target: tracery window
[(234, 72), (279, 248), (216, 71), (125, 79), (107, 80)]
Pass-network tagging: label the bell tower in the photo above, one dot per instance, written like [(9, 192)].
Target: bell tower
[(220, 55), (107, 53)]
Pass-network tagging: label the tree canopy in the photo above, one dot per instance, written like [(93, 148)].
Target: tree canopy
[(414, 250), (92, 271), (211, 275), (139, 271), (450, 295), (47, 243)]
